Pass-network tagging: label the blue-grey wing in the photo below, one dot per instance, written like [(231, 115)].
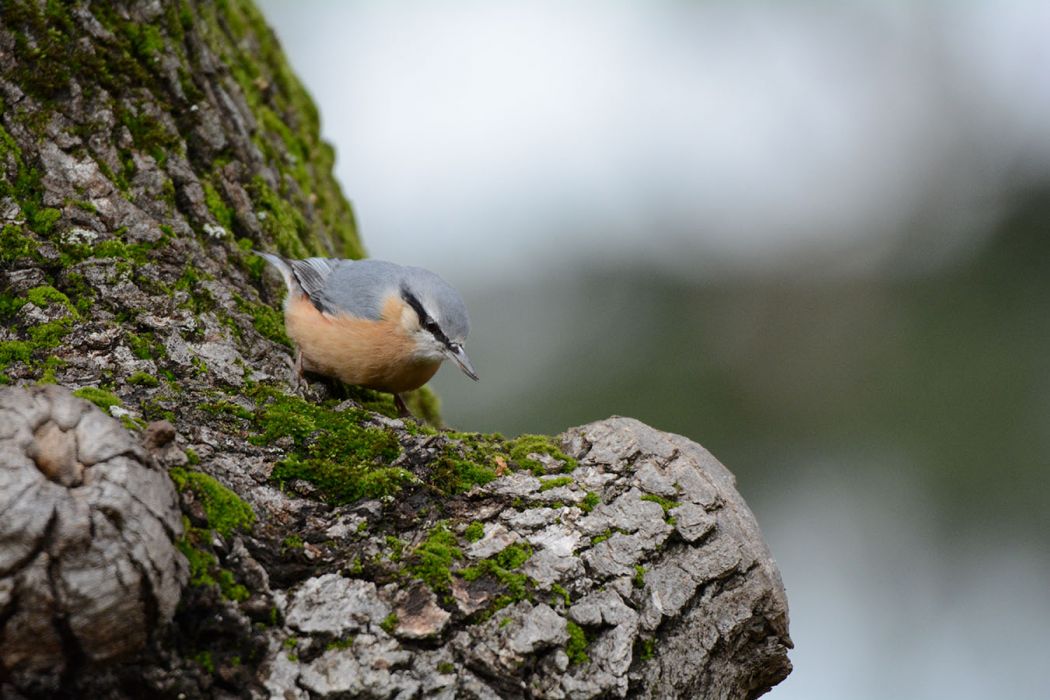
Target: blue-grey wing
[(312, 274), (359, 287)]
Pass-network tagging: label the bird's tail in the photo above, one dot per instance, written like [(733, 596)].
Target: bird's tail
[(283, 267)]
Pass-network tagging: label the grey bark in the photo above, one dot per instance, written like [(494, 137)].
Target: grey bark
[(88, 568)]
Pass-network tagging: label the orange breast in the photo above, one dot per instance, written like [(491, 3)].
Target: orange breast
[(374, 354)]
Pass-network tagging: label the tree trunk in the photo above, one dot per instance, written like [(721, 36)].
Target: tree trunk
[(146, 148)]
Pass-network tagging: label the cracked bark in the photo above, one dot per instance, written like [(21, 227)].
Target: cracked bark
[(67, 604)]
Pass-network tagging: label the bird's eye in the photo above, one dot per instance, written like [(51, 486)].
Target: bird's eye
[(431, 325)]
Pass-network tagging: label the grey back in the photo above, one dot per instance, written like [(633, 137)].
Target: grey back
[(359, 287)]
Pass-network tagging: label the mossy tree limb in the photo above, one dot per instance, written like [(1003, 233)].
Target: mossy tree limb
[(145, 149)]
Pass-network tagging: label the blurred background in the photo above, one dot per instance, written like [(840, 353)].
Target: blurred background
[(814, 237)]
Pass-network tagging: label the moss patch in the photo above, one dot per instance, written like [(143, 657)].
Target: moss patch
[(332, 450), (204, 566), (522, 446), (666, 503), (548, 484), (389, 623), (47, 295), (269, 322), (100, 397), (452, 472), (42, 337), (576, 647), (474, 532), (143, 379), (502, 567), (225, 510), (432, 560)]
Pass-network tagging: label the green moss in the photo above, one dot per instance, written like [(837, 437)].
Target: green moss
[(446, 668), (149, 133), (200, 562), (146, 40), (336, 644), (451, 473), (289, 128), (219, 209), (204, 660), (141, 346), (132, 423), (191, 455), (397, 547), (561, 593), (292, 542), (79, 292), (143, 379), (282, 222), (331, 449), (204, 566), (638, 580), (113, 248), (14, 244), (645, 649), (42, 336), (589, 502), (548, 484), (47, 295), (576, 647), (43, 220), (474, 532), (199, 299), (15, 351), (50, 367), (50, 334), (231, 590), (522, 446), (431, 561), (268, 321), (513, 556), (342, 485), (225, 406), (666, 503), (100, 397), (389, 623), (501, 567), (225, 510)]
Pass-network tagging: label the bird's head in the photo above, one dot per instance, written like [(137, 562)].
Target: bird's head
[(436, 319)]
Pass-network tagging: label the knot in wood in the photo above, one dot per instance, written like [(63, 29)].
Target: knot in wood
[(88, 568)]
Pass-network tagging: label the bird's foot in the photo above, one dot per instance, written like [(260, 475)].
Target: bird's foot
[(402, 409)]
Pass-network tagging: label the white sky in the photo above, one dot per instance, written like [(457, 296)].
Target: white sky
[(489, 140), (473, 136)]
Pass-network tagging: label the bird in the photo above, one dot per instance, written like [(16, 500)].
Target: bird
[(372, 323)]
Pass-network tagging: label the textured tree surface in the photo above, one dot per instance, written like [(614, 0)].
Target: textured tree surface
[(331, 548), (88, 567)]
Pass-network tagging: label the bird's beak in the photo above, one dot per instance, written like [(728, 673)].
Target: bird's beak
[(459, 356)]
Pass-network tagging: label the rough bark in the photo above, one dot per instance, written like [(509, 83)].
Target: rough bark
[(88, 567), (332, 549)]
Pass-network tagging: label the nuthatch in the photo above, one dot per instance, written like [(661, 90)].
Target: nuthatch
[(373, 323)]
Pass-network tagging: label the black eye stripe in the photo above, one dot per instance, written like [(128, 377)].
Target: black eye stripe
[(424, 318)]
